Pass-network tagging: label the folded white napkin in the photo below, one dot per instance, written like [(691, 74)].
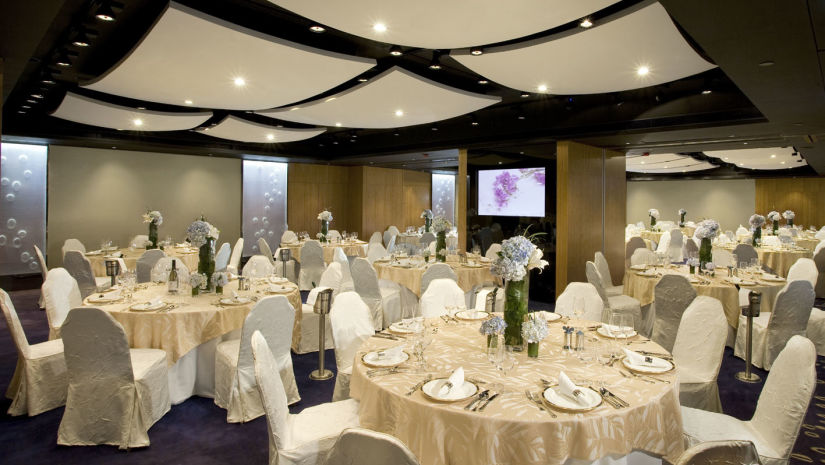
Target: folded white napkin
[(114, 295), (567, 387), (235, 295), (639, 360), (313, 294), (481, 300), (455, 380), (275, 288), (390, 354), (155, 301)]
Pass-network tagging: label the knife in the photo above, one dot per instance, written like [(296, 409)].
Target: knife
[(487, 402), (483, 395)]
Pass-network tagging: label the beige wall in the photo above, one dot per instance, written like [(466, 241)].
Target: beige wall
[(97, 194), (728, 201)]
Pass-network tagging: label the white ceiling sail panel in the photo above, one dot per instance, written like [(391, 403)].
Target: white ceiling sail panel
[(770, 158), (394, 98), (638, 49), (189, 56), (666, 163), (237, 129), (85, 110), (441, 24)]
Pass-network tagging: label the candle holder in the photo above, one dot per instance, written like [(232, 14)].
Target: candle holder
[(112, 270)]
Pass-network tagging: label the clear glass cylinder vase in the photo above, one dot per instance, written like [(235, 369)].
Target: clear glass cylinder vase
[(516, 296)]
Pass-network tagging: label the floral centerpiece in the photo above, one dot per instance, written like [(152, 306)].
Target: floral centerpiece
[(195, 281), (441, 225), (692, 263), (203, 235), (492, 328), (325, 217), (774, 217), (220, 280), (517, 257), (155, 219), (427, 214), (706, 230), (534, 330), (756, 221), (654, 215), (789, 216), (709, 267), (682, 213)]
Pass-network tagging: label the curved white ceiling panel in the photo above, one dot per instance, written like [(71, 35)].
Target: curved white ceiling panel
[(665, 163), (443, 24), (190, 58), (241, 130), (639, 49), (394, 98), (771, 158), (85, 110)]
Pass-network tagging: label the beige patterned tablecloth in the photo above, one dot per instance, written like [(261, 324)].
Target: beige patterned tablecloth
[(351, 249), (807, 244), (654, 236), (196, 321), (780, 260), (512, 430), (130, 257), (642, 288), (410, 277)]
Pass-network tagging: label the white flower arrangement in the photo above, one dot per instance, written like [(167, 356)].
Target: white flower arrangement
[(493, 326), (325, 215), (441, 224), (788, 214), (153, 216), (518, 255), (534, 329), (200, 231), (774, 216), (653, 213), (427, 213), (682, 211), (756, 221), (707, 229), (195, 280), (220, 279), (319, 236)]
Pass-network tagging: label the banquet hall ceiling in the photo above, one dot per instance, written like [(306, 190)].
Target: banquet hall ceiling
[(346, 82)]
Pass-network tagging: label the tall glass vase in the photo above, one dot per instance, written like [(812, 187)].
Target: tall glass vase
[(206, 262), (775, 228), (441, 247), (153, 236), (652, 222), (757, 237), (705, 253), (428, 223), (682, 220), (324, 230), (515, 310)]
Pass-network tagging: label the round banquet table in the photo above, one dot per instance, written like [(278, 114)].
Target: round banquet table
[(409, 276), (807, 243), (654, 236), (405, 238), (719, 287), (512, 429), (351, 249), (189, 333), (780, 259), (189, 257)]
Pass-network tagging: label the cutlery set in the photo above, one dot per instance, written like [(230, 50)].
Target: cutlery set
[(481, 401), (612, 399), (645, 378), (539, 403), (419, 384)]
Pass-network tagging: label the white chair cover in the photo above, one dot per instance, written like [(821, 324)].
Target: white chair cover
[(235, 258), (620, 303), (690, 248), (771, 241), (375, 251), (222, 257), (305, 438), (61, 294), (160, 272), (816, 330), (333, 235), (803, 269), (722, 258), (287, 272), (258, 266), (145, 263), (382, 297), (720, 453), (819, 260), (771, 331), (664, 243), (312, 265), (391, 245), (672, 296), (604, 272), (698, 351), (388, 235), (376, 238), (115, 394), (439, 294), (266, 251), (340, 257), (742, 231), (81, 270), (426, 238), (820, 234), (437, 271), (634, 243), (779, 412), (288, 237), (140, 241), (366, 447), (677, 243), (394, 230), (39, 383), (73, 244), (331, 279), (745, 253), (492, 252), (585, 294), (235, 386), (43, 270), (642, 257), (351, 326)]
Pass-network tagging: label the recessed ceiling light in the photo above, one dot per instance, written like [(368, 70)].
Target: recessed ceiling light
[(476, 51), (766, 63), (188, 102), (434, 128), (474, 123), (726, 158), (21, 112), (31, 101), (586, 23), (643, 163), (362, 79), (740, 163), (379, 27), (317, 29), (483, 81), (337, 125), (399, 112), (81, 42), (294, 108), (270, 137), (37, 95), (48, 81), (435, 65), (499, 163), (141, 108), (137, 122), (105, 13), (239, 81), (542, 88), (395, 51), (744, 143), (706, 91), (642, 71), (25, 106), (521, 117), (665, 166), (781, 162), (330, 99), (773, 155), (524, 95)]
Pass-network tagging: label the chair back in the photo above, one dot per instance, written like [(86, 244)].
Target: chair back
[(437, 271), (819, 260), (375, 251), (365, 281), (160, 272), (340, 257), (634, 243), (745, 253), (700, 342), (273, 395), (394, 230), (140, 241), (42, 261), (440, 293), (312, 263), (642, 257), (722, 258), (288, 237), (803, 269), (664, 243), (367, 447), (15, 328), (595, 279), (81, 270), (351, 324), (387, 236), (720, 452), (672, 294), (677, 242), (143, 268), (258, 266), (583, 294), (492, 251), (73, 244), (332, 278), (222, 257), (333, 235), (690, 248), (60, 294), (426, 238), (789, 317), (376, 237), (263, 246), (604, 268), (391, 245), (235, 258)]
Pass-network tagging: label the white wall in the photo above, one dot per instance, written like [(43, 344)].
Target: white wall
[(97, 194), (730, 202)]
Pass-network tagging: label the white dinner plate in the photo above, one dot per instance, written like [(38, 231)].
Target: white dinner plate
[(740, 281), (93, 253), (589, 399), (775, 279), (401, 328), (278, 289), (148, 306), (376, 359), (474, 265), (638, 267), (603, 332), (457, 393), (238, 301), (651, 369), (472, 315), (102, 299), (552, 316), (277, 280)]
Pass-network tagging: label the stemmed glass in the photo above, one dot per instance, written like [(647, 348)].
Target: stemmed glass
[(578, 307)]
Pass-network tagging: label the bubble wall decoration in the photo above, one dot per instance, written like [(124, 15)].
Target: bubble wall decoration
[(444, 196), (11, 223), (23, 210), (264, 205)]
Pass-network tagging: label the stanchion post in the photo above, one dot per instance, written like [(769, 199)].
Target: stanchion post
[(322, 304), (752, 311), (286, 255)]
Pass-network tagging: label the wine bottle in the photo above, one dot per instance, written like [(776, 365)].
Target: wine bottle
[(173, 279)]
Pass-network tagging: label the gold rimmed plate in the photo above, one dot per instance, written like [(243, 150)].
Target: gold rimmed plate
[(662, 366), (472, 315), (374, 360), (553, 398), (456, 394)]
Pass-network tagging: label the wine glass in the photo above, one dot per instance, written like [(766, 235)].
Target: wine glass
[(476, 250), (578, 307)]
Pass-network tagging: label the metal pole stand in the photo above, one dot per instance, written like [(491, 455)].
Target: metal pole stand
[(322, 304), (112, 270), (751, 312), (286, 255)]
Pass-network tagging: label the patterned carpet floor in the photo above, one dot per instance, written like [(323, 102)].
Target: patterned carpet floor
[(196, 432)]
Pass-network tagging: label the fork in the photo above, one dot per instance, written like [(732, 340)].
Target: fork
[(539, 403)]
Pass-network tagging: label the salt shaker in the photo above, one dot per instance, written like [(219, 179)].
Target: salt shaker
[(579, 340)]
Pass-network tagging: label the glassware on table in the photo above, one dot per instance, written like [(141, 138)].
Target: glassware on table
[(476, 250), (505, 359), (603, 351), (354, 236), (587, 351), (578, 307)]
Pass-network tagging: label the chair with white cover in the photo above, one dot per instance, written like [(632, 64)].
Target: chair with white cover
[(790, 315), (258, 266), (742, 231), (61, 294), (367, 447), (698, 351), (43, 270), (583, 294), (806, 269), (351, 325), (340, 257), (265, 250), (375, 251), (642, 257), (437, 271), (820, 235), (391, 245), (492, 252), (333, 235), (722, 258), (816, 323), (394, 230), (440, 294), (604, 271), (304, 438), (140, 241), (664, 243), (81, 270), (779, 413), (672, 296), (40, 380), (771, 241), (72, 244), (387, 236), (143, 268), (381, 296), (331, 279), (376, 238), (720, 452), (115, 393), (235, 386), (745, 253), (677, 243), (160, 272), (690, 248), (803, 269), (426, 238), (312, 265), (618, 304), (235, 258), (222, 257), (632, 245), (288, 237)]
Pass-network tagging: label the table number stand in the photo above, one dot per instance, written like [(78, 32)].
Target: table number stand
[(751, 312), (322, 304)]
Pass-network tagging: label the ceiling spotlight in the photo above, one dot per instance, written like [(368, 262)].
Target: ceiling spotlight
[(105, 13), (476, 51), (317, 29), (25, 106), (82, 40), (395, 51), (37, 95), (522, 117), (31, 101), (586, 23), (137, 122), (399, 112), (188, 102), (642, 70), (379, 27), (435, 64), (766, 63), (542, 88), (47, 79), (239, 81), (396, 134), (63, 60), (434, 128), (483, 82), (773, 155), (362, 79), (706, 91), (781, 162), (270, 137), (525, 95), (643, 163), (474, 123)]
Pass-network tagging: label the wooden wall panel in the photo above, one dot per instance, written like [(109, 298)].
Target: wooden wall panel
[(615, 206), (417, 196), (804, 196), (383, 199), (356, 200), (313, 188), (461, 199)]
